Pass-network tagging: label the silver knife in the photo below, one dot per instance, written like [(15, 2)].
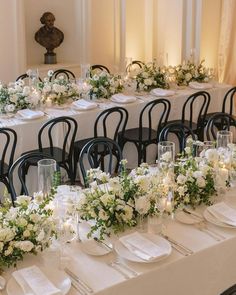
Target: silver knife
[(78, 280)]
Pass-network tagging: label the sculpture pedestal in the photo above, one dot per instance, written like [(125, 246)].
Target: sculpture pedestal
[(50, 58)]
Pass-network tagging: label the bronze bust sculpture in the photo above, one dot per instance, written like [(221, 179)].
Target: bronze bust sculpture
[(49, 37)]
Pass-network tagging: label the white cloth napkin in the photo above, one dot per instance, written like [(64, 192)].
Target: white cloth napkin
[(122, 98), (200, 86), (32, 280), (223, 213), (30, 114), (162, 92), (83, 104), (142, 247)]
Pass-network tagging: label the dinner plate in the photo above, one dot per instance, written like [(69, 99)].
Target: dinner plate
[(57, 277), (123, 101), (212, 219), (94, 248), (186, 218), (159, 241)]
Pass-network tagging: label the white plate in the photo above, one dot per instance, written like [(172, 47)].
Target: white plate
[(121, 101), (186, 218), (94, 248), (125, 253), (209, 217), (57, 277)]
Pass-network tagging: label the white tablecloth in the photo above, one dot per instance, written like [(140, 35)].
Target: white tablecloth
[(209, 271), (27, 131)]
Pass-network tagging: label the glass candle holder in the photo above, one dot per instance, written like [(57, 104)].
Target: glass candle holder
[(224, 138), (46, 172)]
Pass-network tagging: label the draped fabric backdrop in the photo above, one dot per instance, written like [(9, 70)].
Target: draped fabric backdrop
[(227, 43)]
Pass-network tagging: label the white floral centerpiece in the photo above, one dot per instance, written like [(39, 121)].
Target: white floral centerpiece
[(26, 228), (16, 96), (104, 85), (189, 71), (150, 76), (58, 91)]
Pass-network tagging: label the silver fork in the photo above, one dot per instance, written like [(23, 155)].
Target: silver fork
[(117, 268), (204, 228)]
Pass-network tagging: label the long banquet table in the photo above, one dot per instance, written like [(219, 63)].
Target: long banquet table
[(209, 271), (27, 131)]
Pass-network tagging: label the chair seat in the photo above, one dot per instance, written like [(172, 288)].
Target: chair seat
[(78, 145), (133, 135), (57, 155)]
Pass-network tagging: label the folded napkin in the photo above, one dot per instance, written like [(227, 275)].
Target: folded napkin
[(223, 213), (142, 247), (121, 98), (200, 86), (30, 114), (32, 280), (162, 92), (83, 104)]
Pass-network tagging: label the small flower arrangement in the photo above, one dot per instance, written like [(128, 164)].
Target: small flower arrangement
[(16, 96), (104, 85), (58, 91), (26, 228), (110, 202), (188, 72), (150, 76)]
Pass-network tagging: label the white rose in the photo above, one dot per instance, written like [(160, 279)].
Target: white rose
[(25, 246), (181, 179), (201, 182), (103, 215), (26, 233), (23, 200), (41, 236), (8, 251), (6, 235)]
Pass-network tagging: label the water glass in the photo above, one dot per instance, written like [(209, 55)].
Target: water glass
[(166, 152), (46, 173), (224, 137)]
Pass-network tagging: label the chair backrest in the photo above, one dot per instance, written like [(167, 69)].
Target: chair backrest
[(20, 164), (228, 101), (8, 138), (48, 129), (99, 68), (181, 131), (134, 65), (25, 76), (68, 75), (217, 122), (162, 106), (95, 151), (200, 101), (114, 120)]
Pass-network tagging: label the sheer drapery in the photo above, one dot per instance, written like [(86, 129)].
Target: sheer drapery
[(227, 43)]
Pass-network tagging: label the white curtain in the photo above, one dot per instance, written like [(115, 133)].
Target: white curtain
[(227, 43)]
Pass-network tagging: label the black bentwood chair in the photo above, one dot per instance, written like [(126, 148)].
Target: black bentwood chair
[(19, 165), (198, 101), (227, 105), (108, 123), (219, 121), (68, 75), (25, 76), (94, 69), (181, 131), (152, 117), (230, 291), (8, 139), (98, 151), (134, 65), (62, 152)]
